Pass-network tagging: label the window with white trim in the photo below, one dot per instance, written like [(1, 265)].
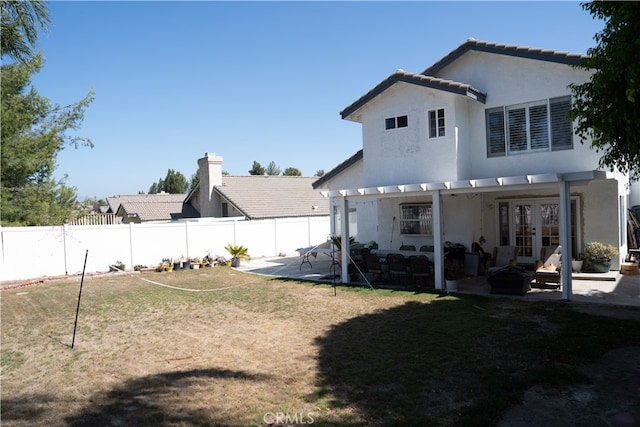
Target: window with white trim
[(416, 219), (396, 122), (436, 123), (532, 127)]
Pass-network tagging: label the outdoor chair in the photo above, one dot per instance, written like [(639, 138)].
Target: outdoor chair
[(420, 269), (407, 248), (549, 267), (374, 266), (397, 267), (502, 257)]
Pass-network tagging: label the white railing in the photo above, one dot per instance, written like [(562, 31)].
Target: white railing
[(33, 252), (96, 219)]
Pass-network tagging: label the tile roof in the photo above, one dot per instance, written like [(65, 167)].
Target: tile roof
[(263, 196), (153, 207), (158, 211), (115, 201), (338, 169), (428, 77), (420, 80), (506, 49)]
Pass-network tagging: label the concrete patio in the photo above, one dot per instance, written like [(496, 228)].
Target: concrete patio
[(602, 288)]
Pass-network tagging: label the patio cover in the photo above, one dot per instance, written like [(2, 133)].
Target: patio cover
[(560, 181)]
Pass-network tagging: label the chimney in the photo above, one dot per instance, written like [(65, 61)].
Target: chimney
[(210, 171)]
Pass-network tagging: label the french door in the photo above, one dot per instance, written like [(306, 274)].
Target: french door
[(533, 223)]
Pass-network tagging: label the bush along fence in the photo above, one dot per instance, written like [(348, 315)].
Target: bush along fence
[(32, 252)]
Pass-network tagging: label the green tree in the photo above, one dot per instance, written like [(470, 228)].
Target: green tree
[(607, 107), (20, 23), (193, 182), (319, 172), (33, 129), (272, 169), (173, 183), (256, 169), (292, 172)]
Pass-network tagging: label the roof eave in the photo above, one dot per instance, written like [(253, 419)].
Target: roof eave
[(510, 50), (416, 79)]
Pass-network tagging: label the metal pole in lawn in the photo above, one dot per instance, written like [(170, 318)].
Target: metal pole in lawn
[(75, 324)]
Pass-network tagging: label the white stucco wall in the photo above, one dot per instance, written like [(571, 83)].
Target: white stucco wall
[(407, 155)]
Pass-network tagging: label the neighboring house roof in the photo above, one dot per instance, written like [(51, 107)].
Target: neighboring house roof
[(263, 196), (338, 169), (427, 77), (506, 49), (152, 207)]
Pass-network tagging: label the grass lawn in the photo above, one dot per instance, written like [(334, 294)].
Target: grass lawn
[(251, 350)]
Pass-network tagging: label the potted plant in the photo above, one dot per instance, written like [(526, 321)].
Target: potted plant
[(195, 262), (597, 257), (238, 253), (337, 241), (576, 264), (451, 276)]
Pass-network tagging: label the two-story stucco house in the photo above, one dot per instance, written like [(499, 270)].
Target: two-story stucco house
[(477, 145)]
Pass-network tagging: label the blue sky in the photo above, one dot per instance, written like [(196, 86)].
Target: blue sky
[(261, 81)]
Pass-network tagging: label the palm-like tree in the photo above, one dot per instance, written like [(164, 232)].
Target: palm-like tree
[(21, 21)]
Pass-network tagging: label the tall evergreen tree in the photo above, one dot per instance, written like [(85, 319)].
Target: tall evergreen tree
[(272, 169), (33, 129), (256, 169), (173, 183)]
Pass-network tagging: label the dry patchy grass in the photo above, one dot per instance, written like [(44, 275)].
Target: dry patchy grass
[(247, 346)]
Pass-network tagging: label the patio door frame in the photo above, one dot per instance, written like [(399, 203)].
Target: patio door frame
[(536, 232)]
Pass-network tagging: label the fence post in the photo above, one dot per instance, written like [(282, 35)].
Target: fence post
[(131, 244)]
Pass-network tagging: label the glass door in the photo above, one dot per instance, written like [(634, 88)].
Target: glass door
[(532, 224), (524, 230)]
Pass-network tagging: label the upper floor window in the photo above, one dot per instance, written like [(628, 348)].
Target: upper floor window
[(416, 219), (531, 127), (396, 122), (436, 123)]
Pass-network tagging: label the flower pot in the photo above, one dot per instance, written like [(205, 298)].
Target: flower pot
[(195, 266), (235, 262), (451, 285), (186, 265), (176, 266), (576, 266), (598, 266)]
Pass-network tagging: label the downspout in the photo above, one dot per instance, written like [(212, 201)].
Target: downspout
[(64, 247)]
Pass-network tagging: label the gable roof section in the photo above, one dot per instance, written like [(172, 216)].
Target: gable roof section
[(263, 196), (115, 201), (339, 169), (506, 49), (417, 79), (152, 207), (427, 77), (158, 211)]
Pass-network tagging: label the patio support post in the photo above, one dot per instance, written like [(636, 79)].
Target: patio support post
[(344, 232), (438, 246), (565, 238)]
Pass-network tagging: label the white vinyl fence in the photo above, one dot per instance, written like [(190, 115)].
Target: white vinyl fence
[(33, 252)]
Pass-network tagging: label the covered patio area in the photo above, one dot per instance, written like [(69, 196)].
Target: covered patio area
[(600, 288)]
